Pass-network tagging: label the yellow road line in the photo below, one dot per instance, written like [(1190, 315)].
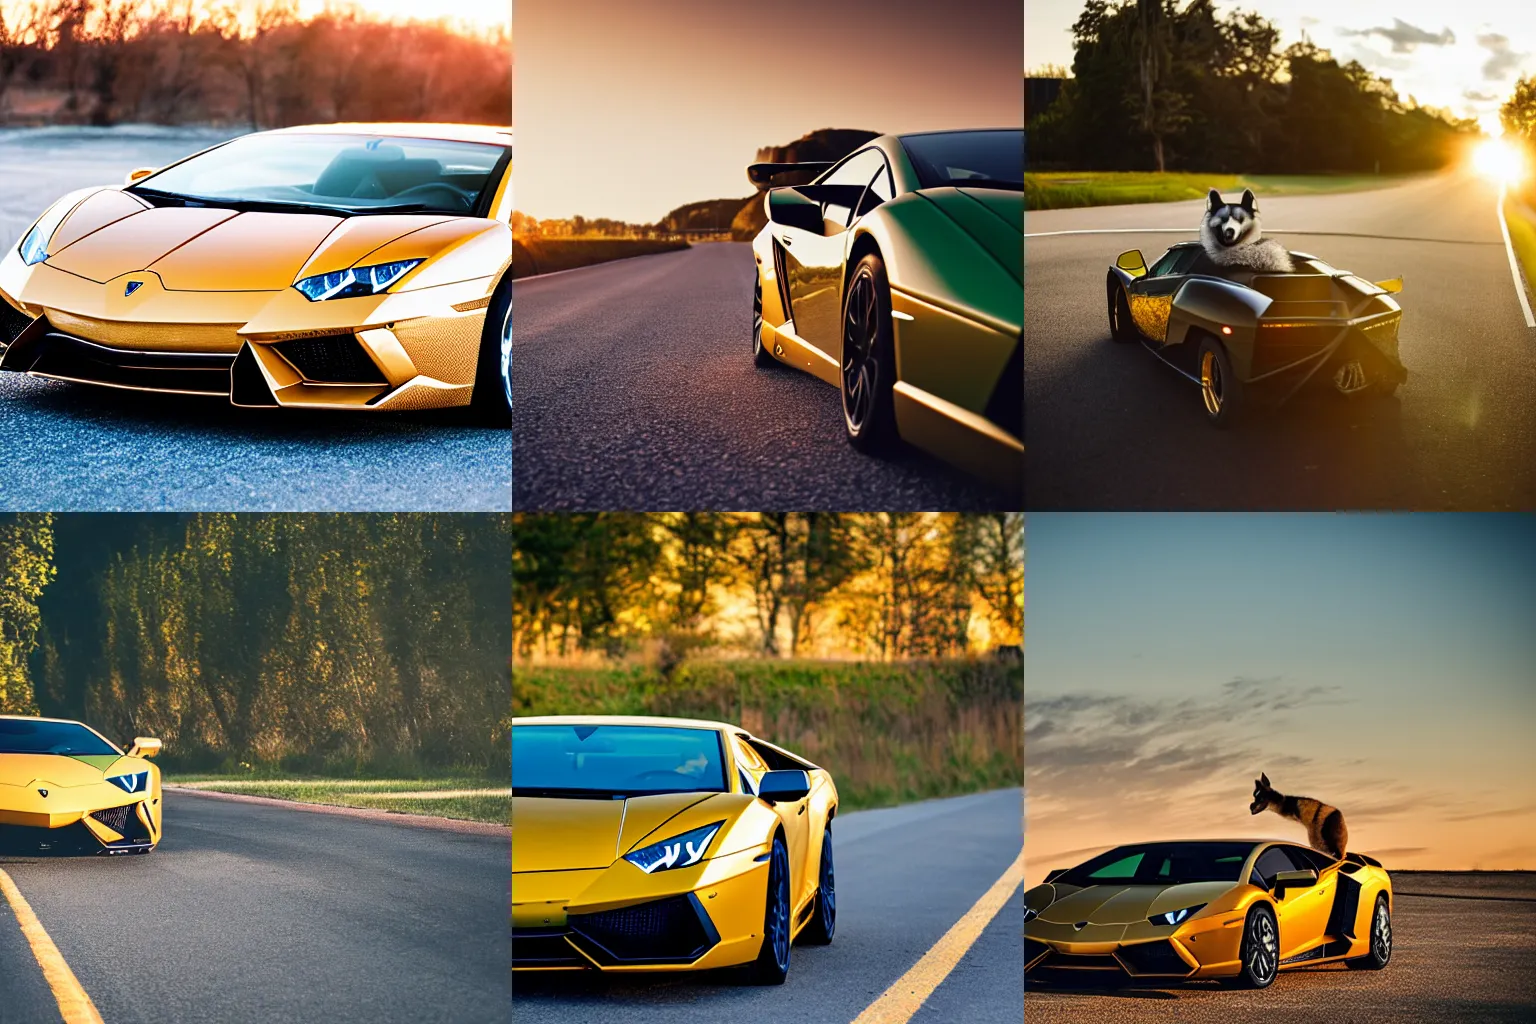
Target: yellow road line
[(74, 1005), (908, 993)]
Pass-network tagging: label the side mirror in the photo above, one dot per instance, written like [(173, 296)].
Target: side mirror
[(1132, 262), (1295, 880), (787, 207), (784, 786), (1391, 284), (144, 746), (138, 174)]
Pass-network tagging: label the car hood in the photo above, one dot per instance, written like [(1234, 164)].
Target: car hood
[(111, 233), (62, 770), (550, 834), (992, 217), (1128, 904)]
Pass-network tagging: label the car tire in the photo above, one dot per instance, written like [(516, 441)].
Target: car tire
[(760, 355), (491, 399), (1380, 953), (1121, 326), (823, 923), (1260, 949), (868, 358), (1221, 393), (772, 964)]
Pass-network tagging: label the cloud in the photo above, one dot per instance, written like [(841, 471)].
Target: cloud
[(1405, 37), (1478, 96), (1502, 59)]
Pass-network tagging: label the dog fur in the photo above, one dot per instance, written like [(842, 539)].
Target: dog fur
[(1324, 823), (1232, 236)]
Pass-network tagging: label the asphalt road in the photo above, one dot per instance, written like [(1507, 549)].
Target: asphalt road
[(251, 914), (75, 447), (633, 387), (1109, 427), (905, 875), (1453, 960)]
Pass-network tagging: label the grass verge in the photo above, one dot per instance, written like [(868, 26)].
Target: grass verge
[(1058, 190), (1522, 235), (533, 256), (467, 798), (888, 733)]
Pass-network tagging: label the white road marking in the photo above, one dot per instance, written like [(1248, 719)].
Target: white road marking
[(1514, 263)]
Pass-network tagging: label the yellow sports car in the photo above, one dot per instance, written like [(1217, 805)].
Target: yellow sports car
[(666, 844), (897, 276), (345, 266), (65, 788), (1239, 910)]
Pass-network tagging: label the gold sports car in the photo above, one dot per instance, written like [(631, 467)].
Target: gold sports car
[(896, 275), (666, 844), (66, 789), (1238, 910), (344, 266)]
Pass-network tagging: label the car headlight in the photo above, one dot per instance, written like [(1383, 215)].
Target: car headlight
[(138, 782), (345, 284), (680, 851), (1177, 916), (1030, 913), (34, 245)]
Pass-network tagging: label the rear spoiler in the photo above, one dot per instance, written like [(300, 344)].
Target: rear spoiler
[(1393, 285), (762, 175)]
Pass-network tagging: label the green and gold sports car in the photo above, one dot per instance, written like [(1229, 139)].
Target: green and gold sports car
[(896, 274)]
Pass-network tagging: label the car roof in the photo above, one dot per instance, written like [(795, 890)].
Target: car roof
[(494, 134), (40, 718), (653, 720)]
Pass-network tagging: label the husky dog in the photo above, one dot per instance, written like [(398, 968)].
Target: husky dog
[(1324, 823), (1231, 236)]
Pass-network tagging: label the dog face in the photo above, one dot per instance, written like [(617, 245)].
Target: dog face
[(1231, 223), (1263, 795)]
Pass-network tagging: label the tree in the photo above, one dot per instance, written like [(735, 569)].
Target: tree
[(26, 568)]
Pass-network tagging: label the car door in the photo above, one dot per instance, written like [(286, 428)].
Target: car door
[(1289, 916), (1151, 296), (814, 263), (797, 828), (1310, 907)]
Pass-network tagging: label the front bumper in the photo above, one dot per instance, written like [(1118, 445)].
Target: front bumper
[(621, 919), (77, 824), (412, 350), (1207, 947)]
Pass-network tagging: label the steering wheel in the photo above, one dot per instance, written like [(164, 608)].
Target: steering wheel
[(446, 195)]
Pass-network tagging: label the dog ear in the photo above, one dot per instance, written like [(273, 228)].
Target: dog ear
[(1248, 199), (1263, 780), (1212, 201)]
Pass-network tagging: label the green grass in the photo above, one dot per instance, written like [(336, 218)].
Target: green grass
[(888, 733), (469, 798), (1522, 235), (532, 256), (1056, 190)]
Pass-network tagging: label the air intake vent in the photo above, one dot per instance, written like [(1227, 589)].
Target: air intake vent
[(12, 322), (115, 818), (332, 359), (674, 930), (1154, 958)]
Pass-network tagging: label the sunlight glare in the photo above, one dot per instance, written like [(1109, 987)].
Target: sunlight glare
[(1499, 160)]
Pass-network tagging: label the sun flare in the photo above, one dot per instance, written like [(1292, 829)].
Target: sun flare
[(1499, 160)]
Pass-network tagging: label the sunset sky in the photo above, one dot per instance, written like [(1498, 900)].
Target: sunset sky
[(1379, 663), (1465, 55), (629, 110)]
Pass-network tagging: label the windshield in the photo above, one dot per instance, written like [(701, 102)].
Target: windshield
[(1162, 864), (35, 736), (986, 159), (346, 174), (609, 761)]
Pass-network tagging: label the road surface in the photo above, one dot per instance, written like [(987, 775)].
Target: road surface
[(905, 875), (1453, 960), (1109, 427), (633, 387), (74, 447), (250, 914)]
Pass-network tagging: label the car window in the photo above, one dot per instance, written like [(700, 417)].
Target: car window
[(1166, 262), (749, 758), (1187, 259), (1270, 863), (1305, 858), (1124, 868), (859, 169)]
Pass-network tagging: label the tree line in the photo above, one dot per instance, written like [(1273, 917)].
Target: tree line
[(878, 585), (103, 62), (1518, 115), (310, 642), (1158, 86)]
